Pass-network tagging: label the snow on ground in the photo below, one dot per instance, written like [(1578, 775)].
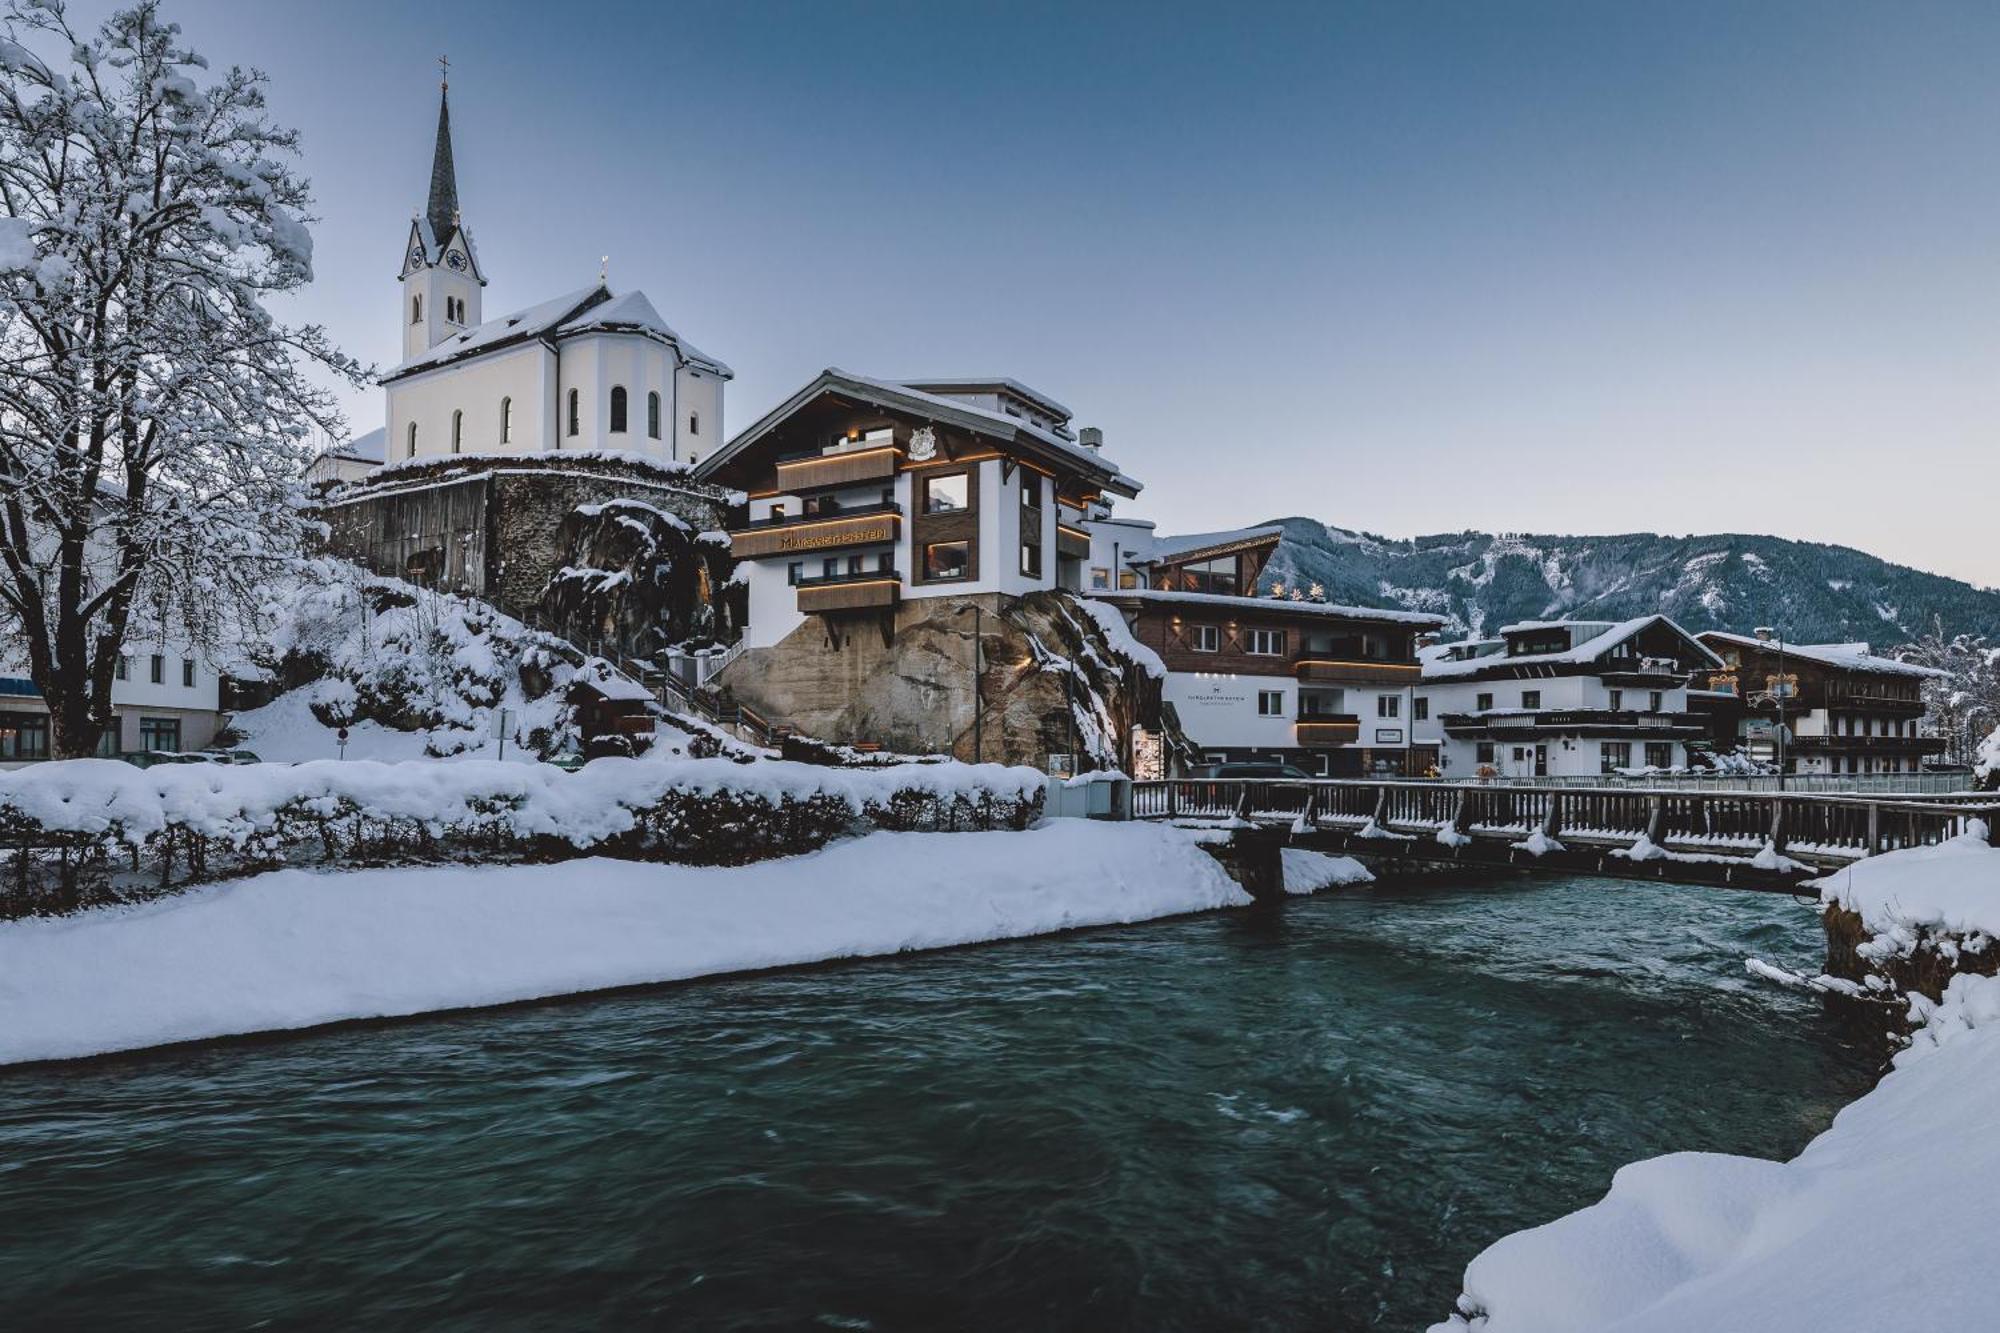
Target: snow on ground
[(293, 948), (1885, 1221), (1309, 871)]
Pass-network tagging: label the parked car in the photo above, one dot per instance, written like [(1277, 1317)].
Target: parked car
[(1272, 770), (151, 758), (219, 756)]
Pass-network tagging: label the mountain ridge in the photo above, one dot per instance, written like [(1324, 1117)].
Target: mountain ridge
[(1811, 591)]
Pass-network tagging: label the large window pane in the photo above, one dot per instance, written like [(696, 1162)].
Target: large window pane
[(947, 560), (945, 495)]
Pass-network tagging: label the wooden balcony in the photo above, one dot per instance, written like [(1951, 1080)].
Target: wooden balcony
[(1916, 745), (1330, 671), (1072, 542), (1324, 729), (873, 526), (874, 590), (853, 467)]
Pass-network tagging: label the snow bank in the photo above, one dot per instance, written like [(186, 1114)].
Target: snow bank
[(1310, 871), (1951, 887), (1884, 1222), (291, 949)]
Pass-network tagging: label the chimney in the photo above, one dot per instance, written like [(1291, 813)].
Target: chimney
[(1090, 437), (1765, 633)]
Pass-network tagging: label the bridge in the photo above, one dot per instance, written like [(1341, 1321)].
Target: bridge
[(1759, 840)]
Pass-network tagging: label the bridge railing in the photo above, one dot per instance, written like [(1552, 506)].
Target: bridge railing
[(1827, 828)]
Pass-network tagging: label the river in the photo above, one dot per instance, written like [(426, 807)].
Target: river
[(1308, 1119)]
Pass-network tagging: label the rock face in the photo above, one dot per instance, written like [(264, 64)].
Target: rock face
[(1049, 681), (502, 529), (641, 577)]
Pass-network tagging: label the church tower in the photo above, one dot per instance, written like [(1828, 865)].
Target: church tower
[(441, 282)]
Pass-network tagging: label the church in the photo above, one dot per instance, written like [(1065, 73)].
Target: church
[(588, 370)]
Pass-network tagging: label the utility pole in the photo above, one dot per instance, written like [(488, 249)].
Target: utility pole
[(1780, 692), (978, 704)]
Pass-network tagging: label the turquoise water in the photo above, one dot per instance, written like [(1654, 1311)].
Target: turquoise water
[(1306, 1119)]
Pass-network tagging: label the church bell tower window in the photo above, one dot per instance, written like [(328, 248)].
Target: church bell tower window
[(416, 310)]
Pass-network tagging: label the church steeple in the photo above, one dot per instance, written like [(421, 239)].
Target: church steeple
[(442, 211)]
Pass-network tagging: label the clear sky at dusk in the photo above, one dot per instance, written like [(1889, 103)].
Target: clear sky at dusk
[(1406, 267)]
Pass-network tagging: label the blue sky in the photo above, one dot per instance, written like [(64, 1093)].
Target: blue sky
[(1408, 267)]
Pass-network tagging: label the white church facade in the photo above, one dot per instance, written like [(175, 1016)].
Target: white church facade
[(589, 370)]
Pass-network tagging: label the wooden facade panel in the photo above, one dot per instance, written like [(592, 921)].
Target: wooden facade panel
[(832, 470), (1319, 671), (815, 534), (956, 525), (861, 595)]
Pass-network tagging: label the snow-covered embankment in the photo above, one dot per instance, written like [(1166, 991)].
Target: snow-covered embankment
[(293, 948), (1887, 1220)]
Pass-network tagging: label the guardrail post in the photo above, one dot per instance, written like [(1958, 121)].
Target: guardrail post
[(1874, 827), (1173, 799)]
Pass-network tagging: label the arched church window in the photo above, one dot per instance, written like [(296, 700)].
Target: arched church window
[(653, 414), (573, 425), (416, 310), (617, 409), (413, 440), (457, 431), (506, 420)]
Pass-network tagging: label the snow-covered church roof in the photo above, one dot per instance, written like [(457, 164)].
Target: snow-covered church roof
[(590, 309)]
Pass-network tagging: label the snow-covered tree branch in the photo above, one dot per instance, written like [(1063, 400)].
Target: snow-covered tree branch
[(154, 418)]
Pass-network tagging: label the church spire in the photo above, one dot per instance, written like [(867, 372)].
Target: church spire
[(442, 211)]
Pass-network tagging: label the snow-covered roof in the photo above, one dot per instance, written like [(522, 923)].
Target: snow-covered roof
[(587, 309), (1169, 548), (1271, 604), (368, 448), (1845, 656), (522, 324), (944, 383), (634, 311), (1528, 626), (895, 394), (1580, 650)]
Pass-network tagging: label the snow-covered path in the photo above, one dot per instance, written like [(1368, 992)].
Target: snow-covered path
[(294, 948)]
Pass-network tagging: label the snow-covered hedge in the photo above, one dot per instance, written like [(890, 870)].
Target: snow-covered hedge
[(95, 830)]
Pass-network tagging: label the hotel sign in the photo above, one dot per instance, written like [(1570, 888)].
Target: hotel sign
[(814, 535)]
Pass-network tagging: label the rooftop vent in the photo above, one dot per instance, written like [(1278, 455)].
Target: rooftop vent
[(1766, 633), (1090, 437)]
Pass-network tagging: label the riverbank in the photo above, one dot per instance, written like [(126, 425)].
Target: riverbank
[(1883, 1221), (294, 948)]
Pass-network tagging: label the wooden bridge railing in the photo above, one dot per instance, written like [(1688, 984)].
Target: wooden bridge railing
[(1814, 827)]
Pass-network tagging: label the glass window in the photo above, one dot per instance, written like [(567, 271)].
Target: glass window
[(694, 423), (1219, 576), (617, 409), (1100, 578), (413, 439), (159, 733), (1270, 703), (653, 415), (1531, 698), (416, 310), (124, 668), (1614, 700), (159, 676), (885, 563), (1483, 752), (1481, 702), (1205, 638), (1388, 705), (795, 571), (1656, 701), (1659, 754), (1420, 708), (1267, 642), (830, 567), (187, 672), (457, 430), (947, 560), (1031, 490), (24, 736), (854, 565), (574, 413), (947, 495), (1031, 559), (1613, 755), (506, 420)]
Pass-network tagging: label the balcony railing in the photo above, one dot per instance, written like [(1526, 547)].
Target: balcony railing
[(872, 526), (1874, 744), (1314, 729), (1335, 671), (1571, 719), (864, 591)]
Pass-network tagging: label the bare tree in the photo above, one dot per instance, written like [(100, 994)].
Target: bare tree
[(154, 418)]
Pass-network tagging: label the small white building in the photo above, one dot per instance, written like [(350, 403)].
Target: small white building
[(589, 370), (164, 697), (1566, 698)]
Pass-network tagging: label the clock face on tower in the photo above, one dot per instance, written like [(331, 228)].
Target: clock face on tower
[(416, 256), (455, 259)]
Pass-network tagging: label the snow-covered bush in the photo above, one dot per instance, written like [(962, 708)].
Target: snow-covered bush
[(87, 830)]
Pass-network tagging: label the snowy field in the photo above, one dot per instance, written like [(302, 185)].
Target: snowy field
[(294, 948), (1888, 1220)]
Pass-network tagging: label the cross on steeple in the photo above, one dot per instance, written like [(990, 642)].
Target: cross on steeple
[(444, 72)]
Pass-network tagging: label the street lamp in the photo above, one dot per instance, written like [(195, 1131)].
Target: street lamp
[(978, 674)]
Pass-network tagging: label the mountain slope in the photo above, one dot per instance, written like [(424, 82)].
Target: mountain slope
[(1813, 592)]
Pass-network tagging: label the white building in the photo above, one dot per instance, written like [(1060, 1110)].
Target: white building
[(864, 494), (1562, 699), (164, 697), (587, 370)]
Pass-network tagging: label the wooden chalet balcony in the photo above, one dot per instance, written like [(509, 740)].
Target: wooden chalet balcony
[(1318, 729), (1590, 721), (827, 471), (870, 526), (1072, 542), (1334, 671), (850, 592)]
